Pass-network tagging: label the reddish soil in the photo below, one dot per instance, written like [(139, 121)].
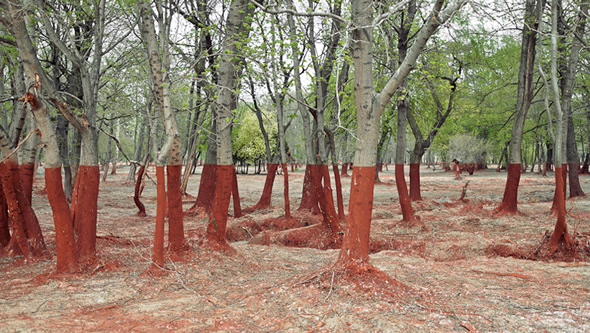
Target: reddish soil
[(461, 269)]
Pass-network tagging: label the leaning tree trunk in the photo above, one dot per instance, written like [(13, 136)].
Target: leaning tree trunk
[(64, 232)]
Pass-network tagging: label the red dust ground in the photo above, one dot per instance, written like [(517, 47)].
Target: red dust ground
[(456, 280)]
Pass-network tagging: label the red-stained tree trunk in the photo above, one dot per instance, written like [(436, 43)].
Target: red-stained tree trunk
[(235, 193), (532, 17), (86, 209), (339, 197), (309, 194), (64, 233), (344, 172), (402, 190), (170, 198), (560, 234), (31, 227), (27, 172), (264, 201), (325, 198), (237, 29), (355, 244), (4, 229), (158, 250), (370, 106), (509, 200), (19, 238), (415, 194), (206, 194), (218, 218), (175, 222), (137, 193), (287, 203)]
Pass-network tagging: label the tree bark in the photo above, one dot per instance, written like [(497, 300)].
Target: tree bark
[(369, 106), (237, 30), (532, 17)]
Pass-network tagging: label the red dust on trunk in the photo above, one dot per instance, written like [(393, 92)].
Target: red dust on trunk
[(158, 251), (235, 193), (287, 203), (415, 194), (4, 229), (64, 232), (206, 190), (19, 238), (216, 228), (31, 223), (309, 198), (175, 223), (86, 210), (264, 201), (344, 172), (560, 234), (404, 198), (27, 172), (509, 201), (339, 198), (355, 245), (324, 196), (136, 199)]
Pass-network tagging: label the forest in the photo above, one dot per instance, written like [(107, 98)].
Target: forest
[(281, 165)]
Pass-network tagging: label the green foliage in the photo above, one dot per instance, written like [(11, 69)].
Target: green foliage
[(467, 148), (248, 141)]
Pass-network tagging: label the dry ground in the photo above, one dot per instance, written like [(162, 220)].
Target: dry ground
[(456, 282)]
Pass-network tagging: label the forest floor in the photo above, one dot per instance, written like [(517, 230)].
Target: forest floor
[(454, 275)]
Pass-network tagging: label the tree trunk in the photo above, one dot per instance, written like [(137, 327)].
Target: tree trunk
[(156, 44), (370, 106), (4, 223), (532, 17), (64, 232), (208, 177), (235, 193), (236, 30), (264, 201)]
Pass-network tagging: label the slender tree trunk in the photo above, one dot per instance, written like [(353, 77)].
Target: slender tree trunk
[(533, 13)]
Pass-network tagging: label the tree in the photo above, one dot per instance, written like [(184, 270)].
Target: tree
[(169, 197), (370, 106), (532, 17), (562, 104), (237, 29), (422, 143)]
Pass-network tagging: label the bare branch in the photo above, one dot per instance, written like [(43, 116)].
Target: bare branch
[(269, 9)]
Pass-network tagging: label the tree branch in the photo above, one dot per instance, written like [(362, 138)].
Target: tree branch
[(268, 9)]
